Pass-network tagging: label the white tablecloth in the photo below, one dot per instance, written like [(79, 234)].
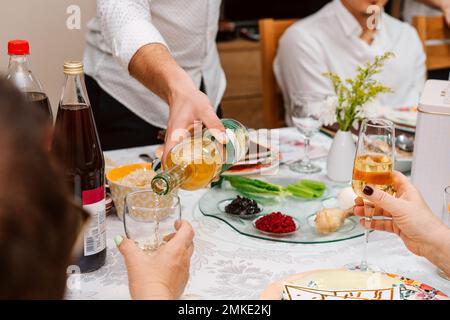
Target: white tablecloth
[(227, 265)]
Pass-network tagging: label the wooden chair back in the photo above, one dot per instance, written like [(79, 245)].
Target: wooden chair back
[(271, 31), (434, 28)]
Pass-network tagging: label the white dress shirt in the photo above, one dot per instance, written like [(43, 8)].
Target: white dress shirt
[(329, 40), (187, 28)]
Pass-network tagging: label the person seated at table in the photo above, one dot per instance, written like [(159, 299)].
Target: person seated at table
[(339, 38), (41, 228), (423, 232)]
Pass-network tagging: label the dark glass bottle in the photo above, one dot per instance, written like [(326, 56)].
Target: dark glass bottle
[(77, 146)]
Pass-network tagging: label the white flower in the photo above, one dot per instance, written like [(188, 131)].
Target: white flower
[(328, 111), (370, 109)]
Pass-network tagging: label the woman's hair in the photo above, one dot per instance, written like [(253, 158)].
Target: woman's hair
[(38, 224)]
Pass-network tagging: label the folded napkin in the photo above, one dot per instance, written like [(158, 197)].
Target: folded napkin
[(295, 292)]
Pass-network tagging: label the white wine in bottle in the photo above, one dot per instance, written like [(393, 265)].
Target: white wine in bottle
[(195, 162)]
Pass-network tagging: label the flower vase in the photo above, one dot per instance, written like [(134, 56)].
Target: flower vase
[(341, 157)]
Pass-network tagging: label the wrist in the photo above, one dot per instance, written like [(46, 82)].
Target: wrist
[(437, 246), (181, 86), (153, 291)]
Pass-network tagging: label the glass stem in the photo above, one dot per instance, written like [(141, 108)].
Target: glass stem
[(306, 159), (364, 265), (368, 207)]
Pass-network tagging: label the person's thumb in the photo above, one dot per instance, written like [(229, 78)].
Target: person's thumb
[(383, 200), (127, 247)]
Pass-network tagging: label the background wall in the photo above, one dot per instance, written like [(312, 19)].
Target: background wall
[(43, 23)]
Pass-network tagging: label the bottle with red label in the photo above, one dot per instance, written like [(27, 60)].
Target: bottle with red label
[(19, 73), (77, 146)]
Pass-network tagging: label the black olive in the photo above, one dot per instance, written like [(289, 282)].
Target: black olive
[(242, 206)]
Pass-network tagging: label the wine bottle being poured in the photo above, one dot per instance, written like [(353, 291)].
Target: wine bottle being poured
[(197, 161)]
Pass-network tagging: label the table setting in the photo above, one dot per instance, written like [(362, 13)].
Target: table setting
[(230, 265), (274, 210)]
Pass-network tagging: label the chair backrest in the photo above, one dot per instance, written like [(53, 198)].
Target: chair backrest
[(434, 28), (271, 30)]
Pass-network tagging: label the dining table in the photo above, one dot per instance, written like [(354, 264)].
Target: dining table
[(228, 265)]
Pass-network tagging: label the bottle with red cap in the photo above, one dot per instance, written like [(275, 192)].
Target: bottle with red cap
[(19, 73)]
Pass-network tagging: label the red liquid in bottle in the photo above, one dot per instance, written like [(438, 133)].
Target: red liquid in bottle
[(77, 146)]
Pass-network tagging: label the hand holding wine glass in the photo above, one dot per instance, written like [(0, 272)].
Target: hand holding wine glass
[(407, 213), (164, 274)]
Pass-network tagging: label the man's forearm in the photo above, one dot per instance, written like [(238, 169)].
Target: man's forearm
[(156, 69)]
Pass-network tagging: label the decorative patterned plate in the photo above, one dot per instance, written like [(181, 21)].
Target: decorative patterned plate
[(211, 205), (342, 284), (240, 170)]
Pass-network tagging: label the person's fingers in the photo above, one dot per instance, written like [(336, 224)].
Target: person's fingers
[(169, 237), (400, 182), (381, 199), (359, 211), (190, 250), (128, 248), (359, 201), (214, 125), (382, 225), (379, 225), (184, 234), (178, 224), (174, 135)]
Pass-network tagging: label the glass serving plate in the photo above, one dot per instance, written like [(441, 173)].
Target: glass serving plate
[(303, 211)]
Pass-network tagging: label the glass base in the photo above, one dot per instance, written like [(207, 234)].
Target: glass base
[(302, 167), (359, 267)]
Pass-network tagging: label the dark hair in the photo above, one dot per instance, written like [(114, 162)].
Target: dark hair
[(38, 225)]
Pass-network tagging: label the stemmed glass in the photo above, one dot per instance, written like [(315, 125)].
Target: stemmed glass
[(148, 218), (374, 163), (305, 113)]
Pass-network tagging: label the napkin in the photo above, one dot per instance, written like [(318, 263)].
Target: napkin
[(295, 292)]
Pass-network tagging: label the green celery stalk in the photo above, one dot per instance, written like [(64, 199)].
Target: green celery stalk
[(301, 191), (314, 184), (253, 184), (251, 188), (260, 198)]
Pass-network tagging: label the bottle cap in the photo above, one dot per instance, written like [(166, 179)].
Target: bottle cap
[(18, 48), (73, 68)]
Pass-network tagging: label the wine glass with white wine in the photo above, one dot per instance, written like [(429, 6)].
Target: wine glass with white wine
[(374, 163)]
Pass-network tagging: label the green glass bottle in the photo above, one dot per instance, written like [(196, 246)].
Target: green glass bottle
[(197, 161)]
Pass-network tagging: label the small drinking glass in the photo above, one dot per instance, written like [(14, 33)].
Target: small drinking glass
[(148, 218), (373, 166), (446, 220), (305, 113)]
